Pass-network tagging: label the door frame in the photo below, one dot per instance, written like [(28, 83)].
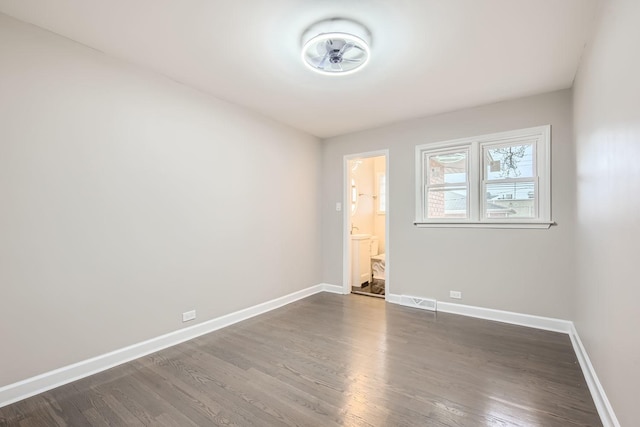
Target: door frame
[(346, 219)]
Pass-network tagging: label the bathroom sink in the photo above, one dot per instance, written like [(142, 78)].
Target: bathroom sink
[(360, 236)]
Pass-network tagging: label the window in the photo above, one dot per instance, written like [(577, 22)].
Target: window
[(446, 186), (354, 196), (498, 180), (382, 193)]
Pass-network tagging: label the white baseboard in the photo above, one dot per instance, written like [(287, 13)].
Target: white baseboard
[(538, 322), (546, 323), (605, 411), (40, 383), (26, 388), (393, 298), (414, 302), (334, 289), (607, 416)]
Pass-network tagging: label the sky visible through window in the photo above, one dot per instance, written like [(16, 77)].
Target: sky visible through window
[(505, 163), (501, 163)]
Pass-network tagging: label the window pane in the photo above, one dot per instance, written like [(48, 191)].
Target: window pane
[(354, 196), (512, 161), (447, 202), (382, 199), (448, 168), (510, 200)]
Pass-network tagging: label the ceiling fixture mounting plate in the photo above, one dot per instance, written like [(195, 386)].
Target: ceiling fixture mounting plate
[(336, 47)]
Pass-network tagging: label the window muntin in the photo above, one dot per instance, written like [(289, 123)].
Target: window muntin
[(495, 179)]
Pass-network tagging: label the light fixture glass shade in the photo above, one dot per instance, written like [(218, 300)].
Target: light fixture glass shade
[(336, 47)]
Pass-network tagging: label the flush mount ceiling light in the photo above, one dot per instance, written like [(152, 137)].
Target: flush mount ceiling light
[(336, 47)]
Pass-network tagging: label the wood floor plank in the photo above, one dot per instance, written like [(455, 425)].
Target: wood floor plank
[(333, 360)]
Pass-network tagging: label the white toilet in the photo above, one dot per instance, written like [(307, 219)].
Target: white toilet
[(377, 259), (375, 245)]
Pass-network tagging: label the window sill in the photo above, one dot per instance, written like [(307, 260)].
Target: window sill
[(496, 224)]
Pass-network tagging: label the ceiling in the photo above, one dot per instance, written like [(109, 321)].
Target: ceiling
[(427, 56)]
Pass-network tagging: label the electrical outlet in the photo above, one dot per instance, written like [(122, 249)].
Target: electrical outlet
[(455, 294), (338, 206), (188, 315)]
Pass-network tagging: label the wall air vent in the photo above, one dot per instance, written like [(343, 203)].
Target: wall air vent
[(416, 302)]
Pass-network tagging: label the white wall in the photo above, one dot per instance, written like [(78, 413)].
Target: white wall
[(527, 271), (607, 129), (127, 199)]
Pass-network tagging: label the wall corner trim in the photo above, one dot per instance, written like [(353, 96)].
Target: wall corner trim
[(605, 410), (23, 389)]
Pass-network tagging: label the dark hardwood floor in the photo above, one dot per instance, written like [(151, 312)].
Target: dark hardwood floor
[(333, 360), (376, 288)]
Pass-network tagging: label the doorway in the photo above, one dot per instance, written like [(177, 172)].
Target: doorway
[(366, 224)]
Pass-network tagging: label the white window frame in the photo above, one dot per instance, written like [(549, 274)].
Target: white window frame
[(445, 149), (539, 136)]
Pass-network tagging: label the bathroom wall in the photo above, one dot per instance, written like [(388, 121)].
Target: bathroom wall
[(128, 198), (366, 217)]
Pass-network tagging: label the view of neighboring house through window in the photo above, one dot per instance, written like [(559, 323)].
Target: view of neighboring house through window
[(509, 180), (447, 184), (499, 178)]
